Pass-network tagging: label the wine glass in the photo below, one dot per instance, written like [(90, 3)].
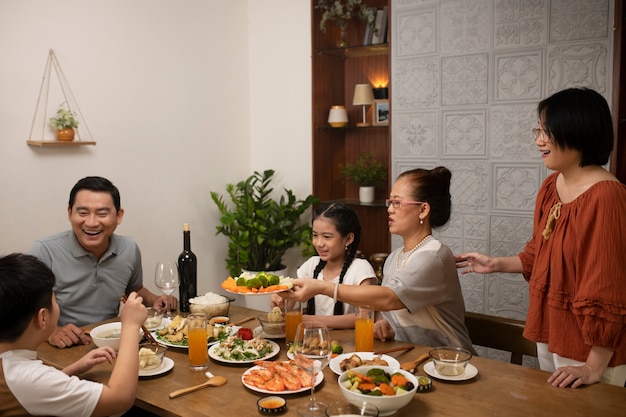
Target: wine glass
[(312, 353), (166, 279)]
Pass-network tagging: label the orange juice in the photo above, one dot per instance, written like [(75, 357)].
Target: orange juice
[(198, 351), (364, 335), (292, 319)]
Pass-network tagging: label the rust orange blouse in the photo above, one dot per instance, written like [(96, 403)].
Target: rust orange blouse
[(577, 278)]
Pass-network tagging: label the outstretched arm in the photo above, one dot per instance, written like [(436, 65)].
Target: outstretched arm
[(483, 264)]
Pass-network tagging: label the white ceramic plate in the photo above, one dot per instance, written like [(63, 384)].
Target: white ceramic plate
[(165, 366), (470, 372), (259, 332), (319, 377), (214, 355), (230, 330), (335, 362), (255, 293)]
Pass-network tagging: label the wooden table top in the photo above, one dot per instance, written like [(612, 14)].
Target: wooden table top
[(499, 389)]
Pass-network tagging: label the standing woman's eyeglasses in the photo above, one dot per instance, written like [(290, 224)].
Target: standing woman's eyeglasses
[(545, 137)]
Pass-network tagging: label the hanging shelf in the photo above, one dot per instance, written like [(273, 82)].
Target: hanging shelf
[(42, 107)]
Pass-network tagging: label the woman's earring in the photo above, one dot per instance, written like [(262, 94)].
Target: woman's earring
[(346, 248), (421, 221)]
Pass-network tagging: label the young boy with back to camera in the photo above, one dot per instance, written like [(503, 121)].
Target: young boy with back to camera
[(30, 313)]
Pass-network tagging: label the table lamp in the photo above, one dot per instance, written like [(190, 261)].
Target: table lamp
[(363, 96)]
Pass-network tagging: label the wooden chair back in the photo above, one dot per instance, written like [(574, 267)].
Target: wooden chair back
[(500, 333)]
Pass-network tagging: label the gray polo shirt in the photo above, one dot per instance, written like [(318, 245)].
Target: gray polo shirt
[(88, 290)]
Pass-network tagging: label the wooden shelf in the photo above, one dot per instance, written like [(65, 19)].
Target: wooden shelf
[(335, 72), (357, 51), (58, 144)]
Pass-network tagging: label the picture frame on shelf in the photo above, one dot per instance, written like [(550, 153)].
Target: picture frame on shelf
[(381, 113)]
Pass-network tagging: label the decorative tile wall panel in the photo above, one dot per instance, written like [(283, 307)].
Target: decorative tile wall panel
[(464, 80), (465, 26), (520, 23), (509, 234), (420, 84), (417, 33), (417, 134), (508, 296), (464, 133), (510, 132), (518, 75), (580, 65), (572, 20), (515, 186), (469, 187)]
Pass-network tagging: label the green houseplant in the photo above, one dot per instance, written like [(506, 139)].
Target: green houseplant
[(366, 171), (341, 12), (261, 229), (64, 122)]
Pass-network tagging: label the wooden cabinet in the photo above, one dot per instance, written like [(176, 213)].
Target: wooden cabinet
[(335, 72)]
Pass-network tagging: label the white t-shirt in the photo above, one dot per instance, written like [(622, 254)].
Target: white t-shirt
[(358, 271), (44, 390)]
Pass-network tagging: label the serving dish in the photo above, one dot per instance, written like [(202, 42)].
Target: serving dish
[(213, 355), (335, 363), (319, 377)]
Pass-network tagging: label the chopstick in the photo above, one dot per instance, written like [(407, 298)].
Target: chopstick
[(242, 321), (146, 332), (397, 349)]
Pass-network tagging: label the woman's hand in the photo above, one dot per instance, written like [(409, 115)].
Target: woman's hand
[(574, 376), (383, 330), (277, 301), (306, 288), (475, 262)]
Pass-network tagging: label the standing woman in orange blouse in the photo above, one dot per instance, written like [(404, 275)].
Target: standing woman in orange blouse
[(575, 262)]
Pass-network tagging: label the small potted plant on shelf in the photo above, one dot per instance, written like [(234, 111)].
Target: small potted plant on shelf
[(64, 122), (368, 173), (341, 12), (259, 227)]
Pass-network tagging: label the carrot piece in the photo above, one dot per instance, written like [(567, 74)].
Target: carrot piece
[(366, 386), (364, 378), (398, 380), (386, 389), (229, 283)]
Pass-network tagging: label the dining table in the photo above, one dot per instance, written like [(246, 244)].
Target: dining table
[(498, 389)]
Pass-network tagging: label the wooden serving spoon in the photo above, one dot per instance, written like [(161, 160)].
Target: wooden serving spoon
[(214, 381), (411, 366)]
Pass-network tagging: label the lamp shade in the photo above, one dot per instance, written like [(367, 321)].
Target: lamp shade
[(363, 95)]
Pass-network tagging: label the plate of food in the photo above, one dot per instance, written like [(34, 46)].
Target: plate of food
[(341, 363), (262, 283), (279, 378), (174, 333), (166, 365), (236, 350)]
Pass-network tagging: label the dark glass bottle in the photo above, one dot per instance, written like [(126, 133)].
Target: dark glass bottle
[(188, 272)]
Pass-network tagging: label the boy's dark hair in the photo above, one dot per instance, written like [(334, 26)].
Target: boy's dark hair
[(96, 184), (580, 119), (26, 286), (432, 186)]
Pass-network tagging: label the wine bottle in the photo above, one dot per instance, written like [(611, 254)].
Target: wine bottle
[(188, 271)]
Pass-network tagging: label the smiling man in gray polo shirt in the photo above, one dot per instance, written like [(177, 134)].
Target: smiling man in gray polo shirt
[(93, 266)]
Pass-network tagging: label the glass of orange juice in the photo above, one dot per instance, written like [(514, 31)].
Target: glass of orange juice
[(364, 329), (293, 317), (197, 342)]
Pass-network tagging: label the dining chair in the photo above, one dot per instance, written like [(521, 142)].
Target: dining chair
[(500, 333)]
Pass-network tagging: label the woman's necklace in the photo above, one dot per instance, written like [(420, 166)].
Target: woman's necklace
[(408, 255)]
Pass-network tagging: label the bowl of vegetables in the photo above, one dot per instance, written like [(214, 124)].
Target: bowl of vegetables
[(388, 388)]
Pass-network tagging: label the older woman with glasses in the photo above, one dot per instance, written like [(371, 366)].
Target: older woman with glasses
[(575, 262), (419, 300)]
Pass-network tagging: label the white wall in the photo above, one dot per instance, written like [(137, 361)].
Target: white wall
[(177, 96)]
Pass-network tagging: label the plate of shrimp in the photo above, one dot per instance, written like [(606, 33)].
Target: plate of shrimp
[(279, 377)]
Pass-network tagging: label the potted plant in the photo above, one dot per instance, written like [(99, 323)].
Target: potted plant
[(64, 122), (261, 228), (367, 172), (341, 12)]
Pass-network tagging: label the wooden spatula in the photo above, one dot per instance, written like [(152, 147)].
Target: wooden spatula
[(410, 366)]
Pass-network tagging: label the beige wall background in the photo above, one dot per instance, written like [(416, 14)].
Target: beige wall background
[(182, 97)]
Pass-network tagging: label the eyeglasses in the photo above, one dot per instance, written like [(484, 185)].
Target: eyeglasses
[(537, 132), (399, 203)]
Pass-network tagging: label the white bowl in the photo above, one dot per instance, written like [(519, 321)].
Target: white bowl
[(108, 335), (387, 404)]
